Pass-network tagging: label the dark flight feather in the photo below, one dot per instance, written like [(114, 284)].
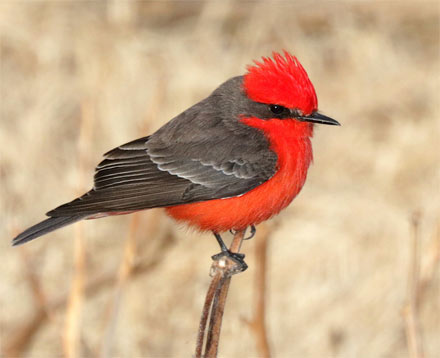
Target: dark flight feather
[(45, 227)]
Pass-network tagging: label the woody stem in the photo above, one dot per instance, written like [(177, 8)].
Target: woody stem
[(221, 271)]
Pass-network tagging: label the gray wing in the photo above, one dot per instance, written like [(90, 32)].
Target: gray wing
[(131, 178), (204, 153)]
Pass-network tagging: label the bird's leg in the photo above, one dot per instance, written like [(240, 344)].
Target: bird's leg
[(220, 241), (224, 248), (234, 256)]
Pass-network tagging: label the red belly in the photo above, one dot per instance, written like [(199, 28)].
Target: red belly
[(290, 139)]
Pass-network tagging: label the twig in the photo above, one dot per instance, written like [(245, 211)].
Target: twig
[(428, 270), (71, 336), (221, 271), (215, 323), (432, 263), (40, 298), (125, 270), (205, 313), (19, 341), (410, 310), (258, 321), (20, 338)]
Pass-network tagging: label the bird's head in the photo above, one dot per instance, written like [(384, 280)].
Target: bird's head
[(282, 85)]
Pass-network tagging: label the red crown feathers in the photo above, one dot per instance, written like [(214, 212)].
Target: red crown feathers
[(281, 80)]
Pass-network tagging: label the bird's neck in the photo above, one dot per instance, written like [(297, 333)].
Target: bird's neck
[(289, 139)]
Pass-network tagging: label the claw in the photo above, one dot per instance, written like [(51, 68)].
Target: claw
[(252, 234)]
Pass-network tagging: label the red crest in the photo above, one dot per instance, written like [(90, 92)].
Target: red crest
[(281, 80)]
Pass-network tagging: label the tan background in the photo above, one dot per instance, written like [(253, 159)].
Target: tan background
[(80, 78)]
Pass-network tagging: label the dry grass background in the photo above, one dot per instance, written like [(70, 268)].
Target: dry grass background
[(78, 78)]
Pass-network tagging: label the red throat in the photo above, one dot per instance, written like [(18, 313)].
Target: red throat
[(290, 139)]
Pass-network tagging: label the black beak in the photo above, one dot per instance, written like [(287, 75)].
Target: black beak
[(319, 118)]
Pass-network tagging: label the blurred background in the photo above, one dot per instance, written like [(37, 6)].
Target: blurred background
[(352, 264)]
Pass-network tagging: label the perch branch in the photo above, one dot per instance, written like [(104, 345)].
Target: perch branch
[(410, 310), (221, 271), (124, 273), (258, 322)]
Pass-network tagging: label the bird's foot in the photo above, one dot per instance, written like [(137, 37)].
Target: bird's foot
[(234, 260), (238, 263)]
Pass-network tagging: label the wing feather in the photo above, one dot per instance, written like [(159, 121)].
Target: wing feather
[(195, 157)]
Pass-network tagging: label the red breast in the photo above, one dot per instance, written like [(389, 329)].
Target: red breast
[(290, 139)]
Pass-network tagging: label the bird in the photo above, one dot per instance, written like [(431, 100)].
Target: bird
[(229, 162)]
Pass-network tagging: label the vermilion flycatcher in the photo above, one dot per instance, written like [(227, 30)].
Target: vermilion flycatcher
[(231, 161)]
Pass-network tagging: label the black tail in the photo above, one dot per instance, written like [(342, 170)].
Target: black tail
[(45, 227)]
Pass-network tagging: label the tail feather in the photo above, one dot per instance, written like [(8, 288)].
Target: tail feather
[(44, 227)]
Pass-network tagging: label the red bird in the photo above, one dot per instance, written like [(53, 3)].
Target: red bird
[(230, 161)]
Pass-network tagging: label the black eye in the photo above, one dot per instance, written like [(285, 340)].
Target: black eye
[(276, 109)]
